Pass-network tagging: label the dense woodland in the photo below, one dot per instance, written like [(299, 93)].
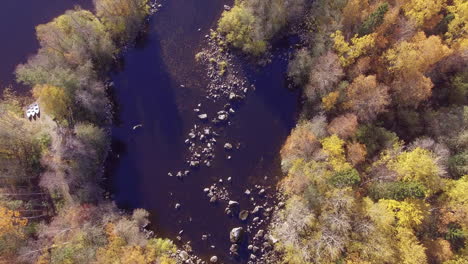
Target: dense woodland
[(376, 168), (52, 208)]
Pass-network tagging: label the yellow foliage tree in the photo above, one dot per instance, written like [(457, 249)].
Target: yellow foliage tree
[(334, 147), (122, 18), (417, 55), (329, 101), (418, 165), (11, 232), (422, 10), (349, 52), (117, 251), (409, 61), (457, 194), (11, 223), (53, 100), (407, 214), (457, 33), (237, 24), (411, 250)]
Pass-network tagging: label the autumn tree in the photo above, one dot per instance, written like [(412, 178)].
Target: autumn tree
[(356, 153), (271, 17), (458, 26), (301, 144), (348, 52), (438, 250), (54, 101), (458, 200), (299, 67), (326, 72), (76, 37), (21, 143), (410, 248), (418, 165), (11, 231), (236, 24), (344, 126), (75, 50), (421, 11), (352, 13), (367, 98), (374, 20), (330, 101), (123, 19), (409, 61)]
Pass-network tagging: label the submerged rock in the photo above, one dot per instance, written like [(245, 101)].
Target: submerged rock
[(228, 146), (243, 215), (222, 117), (194, 163), (214, 259), (234, 248), (184, 255), (203, 116), (236, 234)]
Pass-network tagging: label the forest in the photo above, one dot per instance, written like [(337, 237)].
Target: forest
[(375, 170), (377, 165), (52, 206)]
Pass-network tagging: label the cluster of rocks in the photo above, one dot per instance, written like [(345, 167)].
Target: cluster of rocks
[(216, 193), (230, 87), (185, 256), (201, 143), (227, 82)]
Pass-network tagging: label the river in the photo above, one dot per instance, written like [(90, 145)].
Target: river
[(158, 86)]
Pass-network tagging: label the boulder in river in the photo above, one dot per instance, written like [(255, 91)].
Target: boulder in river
[(184, 255), (236, 234), (234, 249), (222, 117), (203, 116), (243, 215), (194, 163), (214, 259), (228, 146)]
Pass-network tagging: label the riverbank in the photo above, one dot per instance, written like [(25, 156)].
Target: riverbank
[(70, 145)]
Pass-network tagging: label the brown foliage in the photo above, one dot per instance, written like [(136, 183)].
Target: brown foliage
[(438, 251), (353, 12), (366, 97), (356, 153), (412, 88), (361, 67), (344, 126), (300, 144)]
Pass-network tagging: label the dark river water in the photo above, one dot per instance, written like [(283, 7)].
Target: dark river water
[(148, 92), (158, 86)]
